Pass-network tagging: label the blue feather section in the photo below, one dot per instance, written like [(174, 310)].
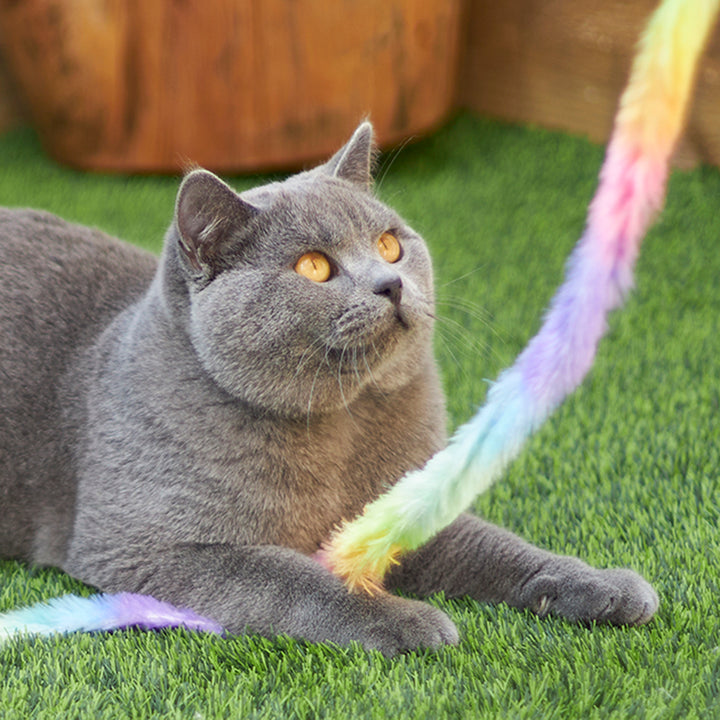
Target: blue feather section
[(72, 613)]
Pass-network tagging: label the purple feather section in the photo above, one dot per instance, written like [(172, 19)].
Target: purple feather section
[(72, 613), (560, 355), (599, 275), (146, 612)]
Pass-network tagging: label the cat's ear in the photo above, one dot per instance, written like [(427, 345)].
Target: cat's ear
[(355, 161), (207, 215)]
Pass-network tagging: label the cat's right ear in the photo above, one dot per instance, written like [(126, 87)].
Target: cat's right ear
[(207, 215)]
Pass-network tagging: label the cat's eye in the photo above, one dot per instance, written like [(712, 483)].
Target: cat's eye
[(389, 247), (314, 266)]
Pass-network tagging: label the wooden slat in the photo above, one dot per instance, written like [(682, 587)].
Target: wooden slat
[(564, 63), (10, 108)]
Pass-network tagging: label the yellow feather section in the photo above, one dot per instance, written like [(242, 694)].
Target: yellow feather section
[(361, 563), (654, 105)]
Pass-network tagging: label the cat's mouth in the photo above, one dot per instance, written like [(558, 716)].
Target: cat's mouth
[(360, 346), (357, 330), (400, 317)]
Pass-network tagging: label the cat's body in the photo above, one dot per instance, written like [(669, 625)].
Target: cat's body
[(194, 428)]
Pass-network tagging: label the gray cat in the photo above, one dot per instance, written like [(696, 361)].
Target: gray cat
[(194, 428)]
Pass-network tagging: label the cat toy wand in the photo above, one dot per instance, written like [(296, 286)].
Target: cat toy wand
[(599, 275)]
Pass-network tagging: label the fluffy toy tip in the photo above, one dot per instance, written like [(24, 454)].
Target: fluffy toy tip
[(360, 566)]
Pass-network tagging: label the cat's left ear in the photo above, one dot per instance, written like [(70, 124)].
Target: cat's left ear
[(355, 161), (208, 214)]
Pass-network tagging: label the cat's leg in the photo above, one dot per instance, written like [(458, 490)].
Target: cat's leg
[(472, 557), (272, 591)]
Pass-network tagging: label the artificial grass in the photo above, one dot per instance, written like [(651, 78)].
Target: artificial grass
[(625, 473)]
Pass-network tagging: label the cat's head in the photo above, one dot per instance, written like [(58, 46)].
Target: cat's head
[(303, 293)]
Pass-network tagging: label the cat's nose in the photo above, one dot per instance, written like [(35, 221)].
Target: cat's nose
[(391, 286)]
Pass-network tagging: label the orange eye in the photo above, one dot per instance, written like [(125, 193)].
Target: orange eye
[(389, 247), (314, 266)]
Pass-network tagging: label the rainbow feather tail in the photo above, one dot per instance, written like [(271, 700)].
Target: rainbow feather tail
[(72, 613), (599, 275)]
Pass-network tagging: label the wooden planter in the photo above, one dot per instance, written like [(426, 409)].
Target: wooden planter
[(151, 85)]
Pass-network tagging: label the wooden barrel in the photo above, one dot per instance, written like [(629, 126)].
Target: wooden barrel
[(233, 85)]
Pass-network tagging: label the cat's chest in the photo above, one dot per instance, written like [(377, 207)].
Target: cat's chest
[(294, 483), (302, 482)]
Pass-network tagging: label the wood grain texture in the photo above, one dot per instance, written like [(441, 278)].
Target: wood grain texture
[(239, 85), (11, 111), (228, 84), (563, 64)]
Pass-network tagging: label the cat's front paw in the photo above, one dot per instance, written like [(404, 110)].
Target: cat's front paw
[(578, 592), (398, 626)]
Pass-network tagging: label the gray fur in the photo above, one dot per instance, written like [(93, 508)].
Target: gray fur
[(194, 428)]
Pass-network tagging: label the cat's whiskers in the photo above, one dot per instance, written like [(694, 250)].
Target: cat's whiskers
[(467, 274), (377, 352), (386, 166), (308, 354), (356, 367), (449, 349), (468, 306), (312, 389), (339, 378), (460, 333), (369, 369)]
